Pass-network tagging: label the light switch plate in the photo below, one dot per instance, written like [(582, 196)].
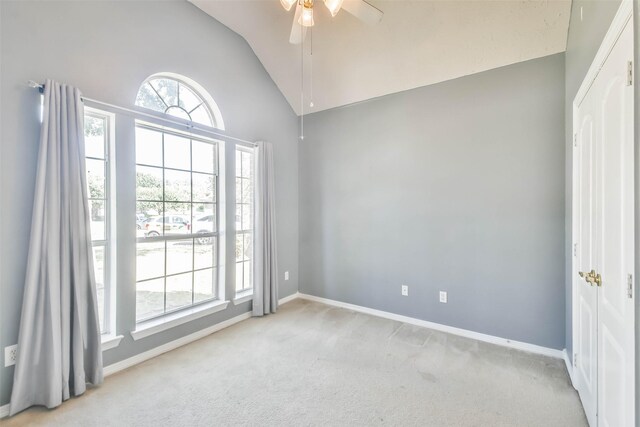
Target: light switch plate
[(405, 291)]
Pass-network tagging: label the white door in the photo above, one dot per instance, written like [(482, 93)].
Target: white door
[(615, 236), (604, 342), (586, 294)]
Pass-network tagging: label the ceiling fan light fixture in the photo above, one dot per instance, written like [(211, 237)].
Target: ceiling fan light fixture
[(288, 4), (306, 18), (333, 6)]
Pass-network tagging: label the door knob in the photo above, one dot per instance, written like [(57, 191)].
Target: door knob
[(595, 278)]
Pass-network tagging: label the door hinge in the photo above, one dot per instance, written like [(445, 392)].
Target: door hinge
[(630, 73), (575, 249), (575, 359), (630, 286), (575, 139)]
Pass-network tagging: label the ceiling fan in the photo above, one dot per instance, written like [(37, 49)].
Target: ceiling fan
[(303, 17)]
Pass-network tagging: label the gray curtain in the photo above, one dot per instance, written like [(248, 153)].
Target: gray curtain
[(59, 340), (265, 286)]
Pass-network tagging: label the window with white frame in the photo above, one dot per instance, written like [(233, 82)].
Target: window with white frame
[(245, 206), (177, 220), (98, 131), (179, 97)]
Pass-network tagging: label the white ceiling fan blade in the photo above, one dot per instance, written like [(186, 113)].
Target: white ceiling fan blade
[(298, 32), (363, 11)]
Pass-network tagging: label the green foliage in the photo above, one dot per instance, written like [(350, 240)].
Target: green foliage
[(93, 126), (148, 98), (177, 194)]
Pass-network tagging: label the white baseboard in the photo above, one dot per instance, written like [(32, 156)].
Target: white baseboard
[(139, 358), (289, 298), (157, 351), (531, 348)]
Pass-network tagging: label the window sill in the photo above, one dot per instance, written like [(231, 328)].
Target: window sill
[(243, 297), (110, 341), (169, 321)]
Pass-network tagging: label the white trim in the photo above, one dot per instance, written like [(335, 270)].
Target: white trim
[(4, 410), (574, 229), (110, 341), (243, 297), (198, 89), (531, 348), (289, 298), (625, 11), (567, 361), (169, 321)]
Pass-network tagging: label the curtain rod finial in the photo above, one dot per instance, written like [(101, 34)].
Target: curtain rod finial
[(36, 85)]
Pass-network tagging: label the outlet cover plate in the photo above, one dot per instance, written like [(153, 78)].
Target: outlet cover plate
[(405, 291), (443, 297), (10, 355), (286, 275)]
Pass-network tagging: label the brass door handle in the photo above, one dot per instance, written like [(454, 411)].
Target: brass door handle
[(592, 278), (586, 277)]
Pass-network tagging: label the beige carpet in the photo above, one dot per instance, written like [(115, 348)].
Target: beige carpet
[(312, 364)]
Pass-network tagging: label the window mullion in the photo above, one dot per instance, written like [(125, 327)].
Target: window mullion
[(164, 218), (191, 221)]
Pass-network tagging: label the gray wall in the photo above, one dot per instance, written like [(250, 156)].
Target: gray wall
[(458, 186), (107, 49), (583, 41)]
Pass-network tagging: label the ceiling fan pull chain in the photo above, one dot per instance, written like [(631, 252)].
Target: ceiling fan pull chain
[(302, 90), (311, 71)]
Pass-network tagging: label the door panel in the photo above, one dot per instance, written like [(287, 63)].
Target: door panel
[(586, 295), (612, 264), (615, 233), (612, 400), (587, 346)]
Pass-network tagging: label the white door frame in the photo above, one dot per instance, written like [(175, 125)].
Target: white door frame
[(622, 17)]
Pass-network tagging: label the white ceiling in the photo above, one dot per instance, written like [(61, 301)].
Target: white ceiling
[(417, 43)]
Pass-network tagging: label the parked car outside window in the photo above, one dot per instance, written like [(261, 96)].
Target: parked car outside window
[(205, 224), (173, 224)]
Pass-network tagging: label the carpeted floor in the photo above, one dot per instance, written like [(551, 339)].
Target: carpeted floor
[(312, 364)]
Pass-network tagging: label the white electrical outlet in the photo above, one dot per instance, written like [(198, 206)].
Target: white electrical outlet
[(10, 355), (405, 291), (286, 275), (443, 296)]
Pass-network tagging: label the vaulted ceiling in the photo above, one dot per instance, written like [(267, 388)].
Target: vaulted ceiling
[(417, 43)]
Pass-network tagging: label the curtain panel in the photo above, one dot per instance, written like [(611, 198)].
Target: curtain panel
[(265, 291), (59, 343)]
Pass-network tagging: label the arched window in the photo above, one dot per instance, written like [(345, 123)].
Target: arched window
[(180, 97)]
